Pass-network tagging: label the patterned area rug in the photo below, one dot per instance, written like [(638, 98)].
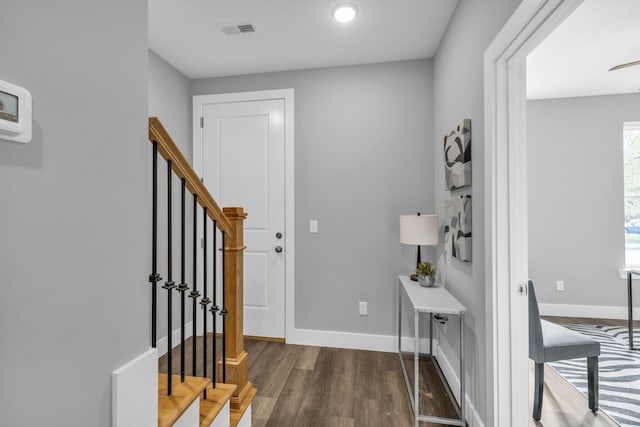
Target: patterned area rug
[(619, 372)]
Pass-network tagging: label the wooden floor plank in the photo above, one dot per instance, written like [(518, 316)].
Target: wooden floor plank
[(307, 357), (262, 408), (275, 361), (288, 404), (337, 422)]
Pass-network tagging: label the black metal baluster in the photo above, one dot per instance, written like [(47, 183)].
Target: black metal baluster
[(205, 300), (223, 313), (194, 293), (183, 287), (169, 284), (214, 307), (154, 277)]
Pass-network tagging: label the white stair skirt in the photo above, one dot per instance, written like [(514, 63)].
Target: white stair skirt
[(224, 417), (190, 417), (134, 388), (245, 421)]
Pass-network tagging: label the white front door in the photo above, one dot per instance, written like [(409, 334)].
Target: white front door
[(243, 164)]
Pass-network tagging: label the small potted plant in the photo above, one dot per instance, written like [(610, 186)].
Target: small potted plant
[(426, 273)]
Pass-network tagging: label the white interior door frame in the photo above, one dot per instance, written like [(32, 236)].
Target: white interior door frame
[(506, 240), (288, 96)]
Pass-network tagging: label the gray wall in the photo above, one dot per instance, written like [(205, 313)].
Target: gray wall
[(458, 94), (363, 156), (170, 100), (74, 254), (576, 208)]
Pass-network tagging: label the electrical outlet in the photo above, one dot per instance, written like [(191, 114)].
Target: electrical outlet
[(363, 308), (560, 285), (313, 226)]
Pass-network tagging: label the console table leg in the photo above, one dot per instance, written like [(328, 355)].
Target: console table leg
[(416, 368), (462, 372), (399, 319), (431, 334)]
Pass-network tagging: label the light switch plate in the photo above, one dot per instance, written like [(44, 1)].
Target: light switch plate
[(363, 308)]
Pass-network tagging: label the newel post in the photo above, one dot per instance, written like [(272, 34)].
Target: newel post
[(237, 361)]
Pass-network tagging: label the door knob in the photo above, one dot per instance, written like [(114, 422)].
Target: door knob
[(278, 249), (278, 235)]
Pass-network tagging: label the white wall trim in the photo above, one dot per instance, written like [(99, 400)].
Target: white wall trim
[(588, 311), (505, 204), (356, 341), (134, 392), (161, 345), (289, 182)]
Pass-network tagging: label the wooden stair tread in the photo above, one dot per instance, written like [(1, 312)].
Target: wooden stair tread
[(236, 415), (170, 408), (215, 401)]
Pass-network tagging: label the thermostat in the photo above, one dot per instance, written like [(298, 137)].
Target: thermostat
[(15, 113)]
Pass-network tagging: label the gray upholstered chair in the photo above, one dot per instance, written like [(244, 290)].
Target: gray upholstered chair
[(549, 342)]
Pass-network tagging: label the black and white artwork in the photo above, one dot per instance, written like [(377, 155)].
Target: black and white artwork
[(457, 156), (457, 228)]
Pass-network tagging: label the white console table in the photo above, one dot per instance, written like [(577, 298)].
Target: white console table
[(434, 300)]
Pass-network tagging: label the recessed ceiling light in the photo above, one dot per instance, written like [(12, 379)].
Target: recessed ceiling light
[(344, 13)]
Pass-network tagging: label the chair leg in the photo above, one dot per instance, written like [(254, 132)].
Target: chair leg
[(538, 387), (592, 380)]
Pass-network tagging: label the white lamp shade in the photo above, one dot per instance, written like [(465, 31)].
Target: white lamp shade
[(419, 229)]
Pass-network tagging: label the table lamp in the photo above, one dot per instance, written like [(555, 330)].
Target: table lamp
[(419, 230)]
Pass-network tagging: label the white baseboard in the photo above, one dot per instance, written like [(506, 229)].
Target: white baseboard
[(471, 414), (589, 311), (134, 390), (356, 341), (175, 338), (352, 340), (387, 343)]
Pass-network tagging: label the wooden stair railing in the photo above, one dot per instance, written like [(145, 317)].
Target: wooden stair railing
[(168, 149), (233, 368)]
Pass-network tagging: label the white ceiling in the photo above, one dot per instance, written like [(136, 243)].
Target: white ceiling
[(574, 59), (292, 34)]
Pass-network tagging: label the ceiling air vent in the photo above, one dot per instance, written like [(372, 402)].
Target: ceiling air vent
[(247, 28), (229, 29)]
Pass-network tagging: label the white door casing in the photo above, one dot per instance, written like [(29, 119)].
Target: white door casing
[(244, 159), (506, 242)]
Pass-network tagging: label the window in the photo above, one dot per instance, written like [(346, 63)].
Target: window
[(631, 148)]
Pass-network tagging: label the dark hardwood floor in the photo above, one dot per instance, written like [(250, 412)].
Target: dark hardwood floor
[(317, 386)]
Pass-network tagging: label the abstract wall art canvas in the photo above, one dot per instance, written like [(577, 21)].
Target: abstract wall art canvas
[(457, 156), (457, 228)]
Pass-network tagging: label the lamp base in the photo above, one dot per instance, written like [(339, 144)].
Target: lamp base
[(414, 277)]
